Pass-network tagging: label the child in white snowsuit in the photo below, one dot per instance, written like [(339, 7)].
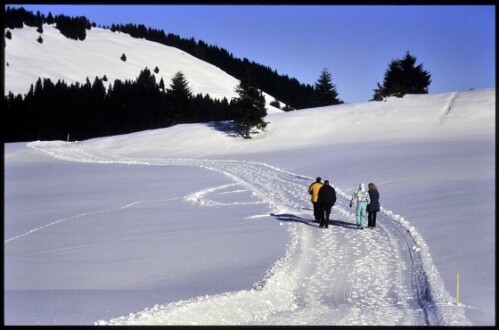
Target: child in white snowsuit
[(360, 198)]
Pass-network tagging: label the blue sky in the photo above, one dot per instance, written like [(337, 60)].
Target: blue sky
[(455, 43)]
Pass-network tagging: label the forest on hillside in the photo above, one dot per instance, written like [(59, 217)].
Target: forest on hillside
[(57, 111), (287, 90)]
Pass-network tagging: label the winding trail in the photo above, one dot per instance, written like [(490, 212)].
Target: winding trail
[(335, 276)]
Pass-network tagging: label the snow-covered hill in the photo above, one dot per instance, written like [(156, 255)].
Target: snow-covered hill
[(412, 118), (161, 225), (58, 57), (192, 224)]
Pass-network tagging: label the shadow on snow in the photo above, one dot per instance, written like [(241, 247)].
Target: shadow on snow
[(229, 128), (294, 218)]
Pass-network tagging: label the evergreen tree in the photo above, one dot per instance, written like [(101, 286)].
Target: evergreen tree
[(403, 77), (180, 85), (249, 108), (178, 96), (275, 103), (146, 79), (50, 19), (98, 89), (73, 27), (123, 57), (325, 90), (39, 18), (379, 93)]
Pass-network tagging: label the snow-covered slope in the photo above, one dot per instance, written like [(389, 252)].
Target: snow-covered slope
[(412, 118), (192, 224), (161, 225), (58, 57)]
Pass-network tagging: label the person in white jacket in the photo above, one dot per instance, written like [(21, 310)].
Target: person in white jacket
[(360, 199)]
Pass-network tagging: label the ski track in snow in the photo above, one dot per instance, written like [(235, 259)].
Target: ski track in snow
[(337, 276), (85, 215), (448, 106)]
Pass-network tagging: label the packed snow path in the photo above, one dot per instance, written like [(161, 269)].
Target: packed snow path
[(335, 276)]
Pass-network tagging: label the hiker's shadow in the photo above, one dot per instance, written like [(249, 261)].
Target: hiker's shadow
[(294, 218), (343, 224)]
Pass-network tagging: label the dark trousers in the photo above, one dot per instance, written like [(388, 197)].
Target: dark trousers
[(371, 219), (324, 217), (317, 211)]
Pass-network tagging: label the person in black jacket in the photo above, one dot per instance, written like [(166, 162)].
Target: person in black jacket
[(326, 200), (374, 206)]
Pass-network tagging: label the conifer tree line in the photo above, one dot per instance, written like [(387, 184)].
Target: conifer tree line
[(71, 27), (51, 111), (288, 90), (402, 76)]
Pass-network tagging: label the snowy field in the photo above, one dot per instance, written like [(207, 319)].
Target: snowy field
[(190, 225), (193, 225)]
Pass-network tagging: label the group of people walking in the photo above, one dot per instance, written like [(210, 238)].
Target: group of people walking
[(323, 198)]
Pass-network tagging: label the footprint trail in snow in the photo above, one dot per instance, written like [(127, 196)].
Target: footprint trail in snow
[(335, 276)]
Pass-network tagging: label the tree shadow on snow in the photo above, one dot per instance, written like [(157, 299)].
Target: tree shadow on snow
[(229, 128), (226, 127)]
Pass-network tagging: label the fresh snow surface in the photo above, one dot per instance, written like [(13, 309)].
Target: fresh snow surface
[(194, 225), (191, 225)]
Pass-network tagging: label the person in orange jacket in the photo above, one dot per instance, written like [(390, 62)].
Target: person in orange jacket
[(313, 190)]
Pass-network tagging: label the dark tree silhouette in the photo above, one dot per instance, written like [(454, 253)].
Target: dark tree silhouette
[(249, 109), (403, 77), (178, 96), (325, 90)]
